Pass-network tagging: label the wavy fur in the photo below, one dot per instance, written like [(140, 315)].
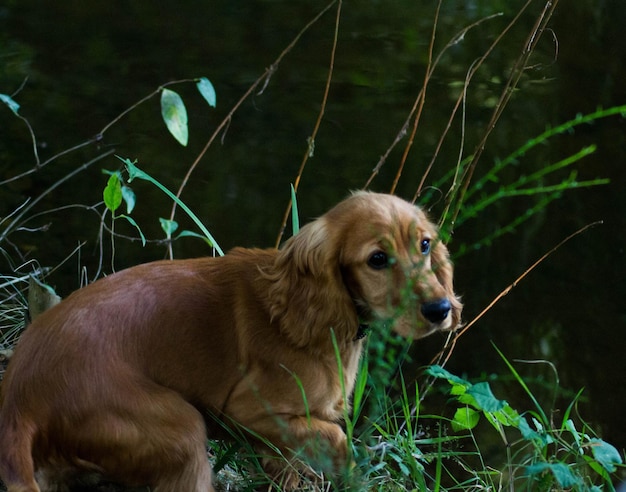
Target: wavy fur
[(126, 377)]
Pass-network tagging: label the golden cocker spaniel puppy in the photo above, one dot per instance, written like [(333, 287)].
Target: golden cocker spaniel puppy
[(126, 377)]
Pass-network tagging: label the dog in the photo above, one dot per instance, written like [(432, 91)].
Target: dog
[(128, 376)]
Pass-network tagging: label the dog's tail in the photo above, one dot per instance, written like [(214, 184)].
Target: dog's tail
[(17, 468)]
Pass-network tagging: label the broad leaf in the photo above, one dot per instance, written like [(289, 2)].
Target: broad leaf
[(605, 454), (440, 372), (465, 418), (168, 226), (561, 472), (174, 115), (129, 197), (485, 398), (112, 193), (208, 92)]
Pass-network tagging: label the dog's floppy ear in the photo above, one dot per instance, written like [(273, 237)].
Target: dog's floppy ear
[(443, 269), (308, 296)]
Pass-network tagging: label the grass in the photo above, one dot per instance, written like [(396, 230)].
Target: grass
[(395, 448)]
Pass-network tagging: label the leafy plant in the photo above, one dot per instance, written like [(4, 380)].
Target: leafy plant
[(113, 194), (169, 226), (174, 112), (545, 456), (394, 446)]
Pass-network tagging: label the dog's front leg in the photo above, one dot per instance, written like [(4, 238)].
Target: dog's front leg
[(308, 445)]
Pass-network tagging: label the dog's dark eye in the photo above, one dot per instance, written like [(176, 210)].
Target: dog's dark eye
[(378, 260), (425, 246)]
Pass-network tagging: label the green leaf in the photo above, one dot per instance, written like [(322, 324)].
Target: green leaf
[(187, 233), (129, 197), (112, 193), (458, 390), (561, 472), (605, 454), (528, 433), (400, 462), (135, 172), (295, 220), (485, 398), (8, 100), (132, 222), (174, 114), (206, 89), (441, 373), (508, 415), (465, 418), (169, 226)]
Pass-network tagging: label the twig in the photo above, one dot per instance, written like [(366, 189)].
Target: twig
[(460, 100), (158, 90), (65, 178), (419, 102), (429, 72), (97, 138), (516, 73), (450, 347), (442, 358), (311, 141), (264, 78)]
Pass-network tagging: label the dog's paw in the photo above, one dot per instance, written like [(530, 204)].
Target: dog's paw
[(290, 476)]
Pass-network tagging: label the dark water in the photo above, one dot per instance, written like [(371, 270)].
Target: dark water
[(88, 61)]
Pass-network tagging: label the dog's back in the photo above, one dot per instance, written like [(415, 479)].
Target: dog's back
[(91, 375)]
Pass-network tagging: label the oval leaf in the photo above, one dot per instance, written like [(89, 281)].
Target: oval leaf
[(206, 89), (465, 418), (168, 226), (605, 454), (174, 114), (13, 106), (112, 194), (129, 197)]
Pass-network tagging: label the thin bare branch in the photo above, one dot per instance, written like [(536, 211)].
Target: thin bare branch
[(311, 141), (263, 79), (521, 64), (449, 348), (457, 38), (58, 183)]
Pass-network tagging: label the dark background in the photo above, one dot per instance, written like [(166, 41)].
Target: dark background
[(85, 62)]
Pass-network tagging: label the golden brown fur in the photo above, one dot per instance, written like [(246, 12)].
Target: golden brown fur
[(121, 377)]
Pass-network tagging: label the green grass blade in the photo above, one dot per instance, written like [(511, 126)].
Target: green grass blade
[(295, 219), (519, 379), (135, 172)]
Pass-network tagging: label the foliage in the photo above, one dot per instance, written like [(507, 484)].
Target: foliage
[(170, 226), (399, 449), (393, 445), (545, 456)]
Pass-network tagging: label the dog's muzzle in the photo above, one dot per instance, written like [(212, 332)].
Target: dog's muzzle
[(436, 311)]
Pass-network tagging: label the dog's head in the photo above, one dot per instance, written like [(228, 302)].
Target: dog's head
[(372, 257)]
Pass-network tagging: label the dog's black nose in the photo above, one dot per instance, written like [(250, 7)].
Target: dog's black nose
[(436, 311)]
